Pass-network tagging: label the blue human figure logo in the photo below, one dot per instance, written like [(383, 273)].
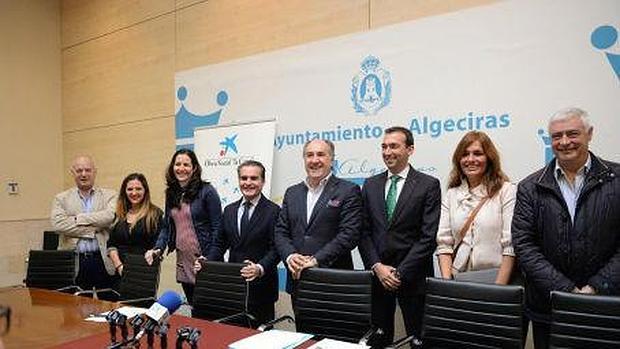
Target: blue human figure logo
[(186, 121), (604, 37), (547, 145)]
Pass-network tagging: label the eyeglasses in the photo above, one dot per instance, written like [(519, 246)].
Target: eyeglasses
[(5, 320)]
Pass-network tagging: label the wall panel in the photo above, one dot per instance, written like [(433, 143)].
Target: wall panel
[(30, 119), (122, 77), (144, 147), (384, 12), (19, 237), (85, 20), (216, 31), (184, 3)]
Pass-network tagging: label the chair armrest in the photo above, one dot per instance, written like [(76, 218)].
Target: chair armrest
[(238, 316), (67, 289), (269, 325), (370, 335), (137, 300), (94, 292), (415, 342)]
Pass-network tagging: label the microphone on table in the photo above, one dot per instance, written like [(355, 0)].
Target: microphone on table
[(188, 334), (156, 316), (160, 311), (115, 318)]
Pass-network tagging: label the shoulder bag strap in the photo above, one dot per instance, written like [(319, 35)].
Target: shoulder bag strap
[(467, 224)]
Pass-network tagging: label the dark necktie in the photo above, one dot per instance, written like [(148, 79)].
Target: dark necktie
[(245, 217)]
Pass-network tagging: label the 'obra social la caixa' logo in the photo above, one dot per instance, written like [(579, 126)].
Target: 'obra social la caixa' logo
[(228, 143), (371, 89), (604, 38), (186, 121)]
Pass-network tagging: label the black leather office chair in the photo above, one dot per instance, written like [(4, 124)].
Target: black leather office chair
[(52, 270), (140, 281), (221, 294), (138, 285), (50, 240), (584, 321), (471, 315), (335, 304)]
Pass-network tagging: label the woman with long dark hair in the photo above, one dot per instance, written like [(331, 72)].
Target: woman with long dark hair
[(137, 221), (476, 213), (192, 217)]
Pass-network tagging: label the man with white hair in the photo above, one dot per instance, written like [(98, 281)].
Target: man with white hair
[(82, 216), (565, 228)]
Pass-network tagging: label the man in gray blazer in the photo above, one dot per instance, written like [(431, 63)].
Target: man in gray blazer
[(82, 216), (320, 219), (401, 215)]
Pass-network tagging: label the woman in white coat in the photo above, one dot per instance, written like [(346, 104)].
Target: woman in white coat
[(476, 213)]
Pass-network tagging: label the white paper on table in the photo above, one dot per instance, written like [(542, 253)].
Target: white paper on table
[(274, 339), (127, 311), (334, 344)]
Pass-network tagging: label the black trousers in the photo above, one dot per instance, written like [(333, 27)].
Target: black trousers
[(540, 333), (384, 307), (263, 312), (188, 289), (92, 273)]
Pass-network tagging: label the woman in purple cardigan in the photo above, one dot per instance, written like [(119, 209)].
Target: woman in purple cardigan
[(192, 217)]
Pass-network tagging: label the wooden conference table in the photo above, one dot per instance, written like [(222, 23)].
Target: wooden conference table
[(49, 319)]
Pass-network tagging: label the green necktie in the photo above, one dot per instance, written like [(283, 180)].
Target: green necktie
[(390, 200)]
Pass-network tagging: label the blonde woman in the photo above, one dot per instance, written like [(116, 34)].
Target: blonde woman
[(137, 221)]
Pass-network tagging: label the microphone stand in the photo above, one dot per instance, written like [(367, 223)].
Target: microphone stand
[(162, 331), (149, 328), (136, 325), (188, 334), (115, 318)]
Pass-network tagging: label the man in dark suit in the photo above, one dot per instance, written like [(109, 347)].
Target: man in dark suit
[(401, 214), (247, 230), (320, 219)]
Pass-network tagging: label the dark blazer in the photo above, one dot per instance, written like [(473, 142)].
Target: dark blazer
[(408, 241), (556, 253), (206, 210), (255, 245), (334, 226)]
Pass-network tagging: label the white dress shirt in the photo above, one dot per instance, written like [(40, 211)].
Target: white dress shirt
[(253, 204), (313, 195), (399, 185)]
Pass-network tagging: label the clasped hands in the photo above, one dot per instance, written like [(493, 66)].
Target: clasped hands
[(249, 272), (587, 289), (298, 262), (388, 276)]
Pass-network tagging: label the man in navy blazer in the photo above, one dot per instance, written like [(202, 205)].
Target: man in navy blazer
[(401, 215), (320, 220), (247, 230)]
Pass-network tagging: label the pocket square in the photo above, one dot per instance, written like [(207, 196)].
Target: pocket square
[(334, 203)]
